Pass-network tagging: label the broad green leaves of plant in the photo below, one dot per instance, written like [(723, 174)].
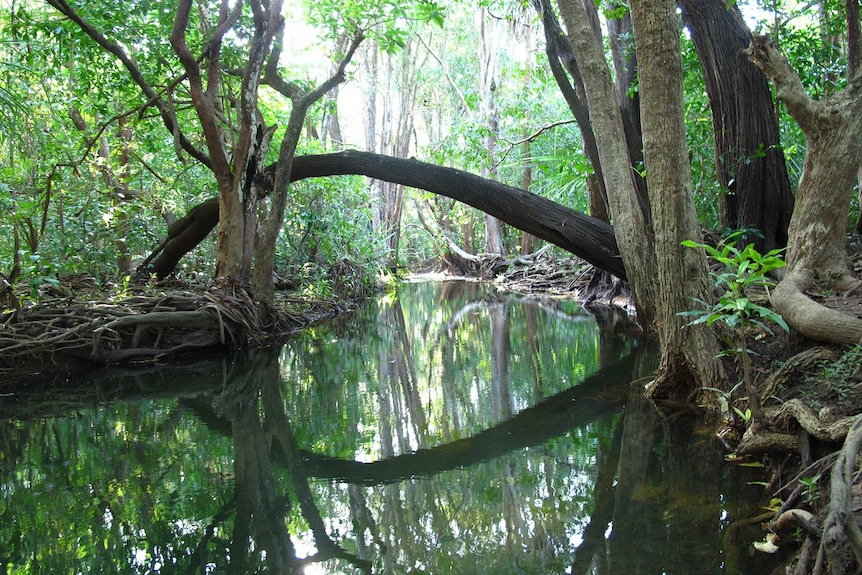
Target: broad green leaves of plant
[(743, 269)]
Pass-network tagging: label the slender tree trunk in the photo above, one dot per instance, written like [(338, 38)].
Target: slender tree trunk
[(527, 240), (117, 181), (302, 101), (689, 361), (633, 235), (561, 59), (489, 38), (625, 61), (397, 97)]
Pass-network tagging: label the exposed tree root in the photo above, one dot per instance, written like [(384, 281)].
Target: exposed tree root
[(841, 544), (810, 421), (784, 376), (150, 326), (810, 318)]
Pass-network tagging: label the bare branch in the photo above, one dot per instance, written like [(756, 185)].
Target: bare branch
[(788, 87), (338, 76)]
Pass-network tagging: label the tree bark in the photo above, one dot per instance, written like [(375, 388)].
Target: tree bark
[(689, 356), (635, 239), (817, 233), (586, 237), (749, 160)]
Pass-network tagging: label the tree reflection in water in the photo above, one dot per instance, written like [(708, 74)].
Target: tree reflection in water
[(452, 429)]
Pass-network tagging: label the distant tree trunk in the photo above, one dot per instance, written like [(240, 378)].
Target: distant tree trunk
[(116, 178), (748, 157), (689, 355), (527, 240), (398, 98), (489, 37), (817, 233)]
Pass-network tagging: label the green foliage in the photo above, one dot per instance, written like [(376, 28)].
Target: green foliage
[(743, 269), (811, 487)]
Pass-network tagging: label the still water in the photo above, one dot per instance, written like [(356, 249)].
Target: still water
[(446, 429)]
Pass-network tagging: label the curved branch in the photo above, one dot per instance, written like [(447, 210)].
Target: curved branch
[(788, 87), (586, 237)]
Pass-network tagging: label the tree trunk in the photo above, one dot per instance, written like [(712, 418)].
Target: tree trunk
[(561, 59), (634, 237), (398, 97), (689, 356), (280, 180), (586, 237), (624, 58), (817, 233), (748, 157), (233, 169), (489, 36)]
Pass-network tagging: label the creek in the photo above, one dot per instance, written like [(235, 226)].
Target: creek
[(447, 428)]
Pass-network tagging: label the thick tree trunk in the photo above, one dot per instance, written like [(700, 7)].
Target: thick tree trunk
[(749, 160), (586, 237), (689, 356), (817, 233)]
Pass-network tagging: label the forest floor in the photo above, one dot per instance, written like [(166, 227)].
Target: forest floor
[(811, 393)]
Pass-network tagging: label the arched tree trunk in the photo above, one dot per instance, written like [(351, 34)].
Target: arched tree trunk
[(817, 234), (748, 157), (587, 237)]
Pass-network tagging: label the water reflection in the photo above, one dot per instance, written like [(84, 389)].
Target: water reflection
[(449, 429)]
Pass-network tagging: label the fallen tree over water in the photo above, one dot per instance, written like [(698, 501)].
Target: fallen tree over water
[(586, 237)]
